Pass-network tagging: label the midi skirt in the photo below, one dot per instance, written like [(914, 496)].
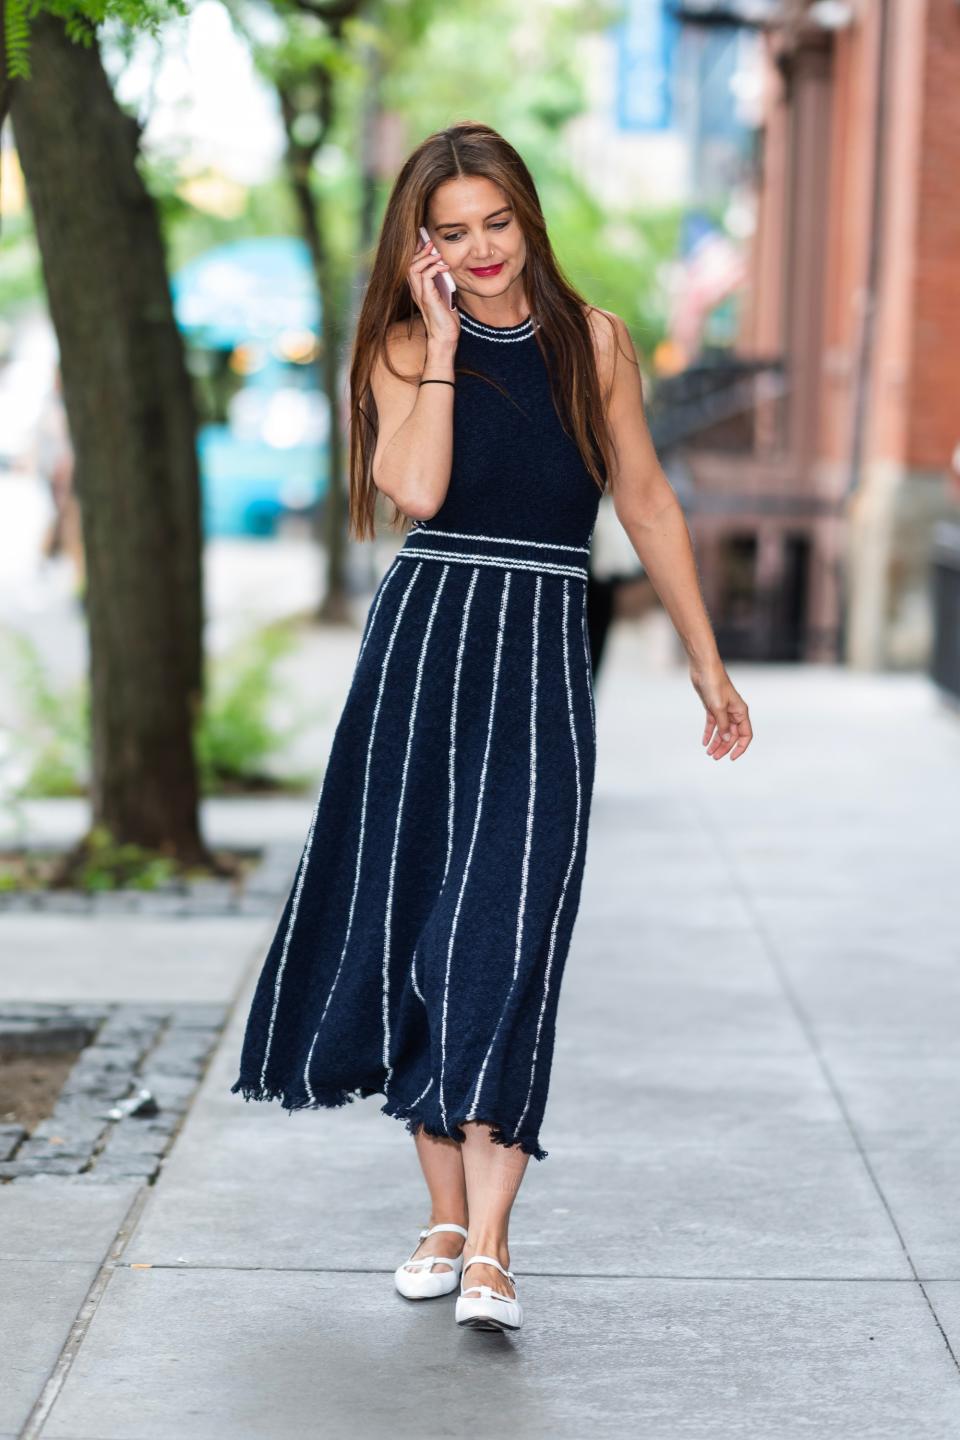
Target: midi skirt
[(420, 951)]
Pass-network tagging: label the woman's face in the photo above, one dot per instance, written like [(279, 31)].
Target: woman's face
[(472, 224)]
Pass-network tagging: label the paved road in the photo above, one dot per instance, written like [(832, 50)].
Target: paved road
[(747, 1223)]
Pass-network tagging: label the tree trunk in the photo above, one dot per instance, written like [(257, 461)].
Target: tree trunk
[(335, 605), (371, 172), (299, 160), (132, 422)]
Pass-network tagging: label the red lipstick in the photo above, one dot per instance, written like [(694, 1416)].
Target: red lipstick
[(487, 269)]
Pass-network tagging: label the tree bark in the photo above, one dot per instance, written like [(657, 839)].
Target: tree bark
[(130, 407), (319, 85)]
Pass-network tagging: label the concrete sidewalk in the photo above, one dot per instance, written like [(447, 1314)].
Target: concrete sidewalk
[(746, 1224)]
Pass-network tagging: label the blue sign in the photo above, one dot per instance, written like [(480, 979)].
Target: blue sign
[(646, 41)]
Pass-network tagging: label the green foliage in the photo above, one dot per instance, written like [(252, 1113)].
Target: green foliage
[(16, 34), (21, 278), (235, 739), (105, 865), (50, 746), (190, 231), (100, 863), (237, 735), (81, 19)]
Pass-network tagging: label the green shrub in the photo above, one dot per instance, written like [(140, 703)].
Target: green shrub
[(105, 865), (236, 737), (46, 753)]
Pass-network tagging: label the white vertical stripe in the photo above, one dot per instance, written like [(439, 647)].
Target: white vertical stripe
[(451, 762), (363, 815), (573, 856), (306, 1068), (586, 652), (473, 837), (413, 976), (388, 916), (525, 868), (373, 615), (305, 858), (422, 1093), (294, 907)]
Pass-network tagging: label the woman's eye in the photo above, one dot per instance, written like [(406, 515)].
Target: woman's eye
[(499, 225)]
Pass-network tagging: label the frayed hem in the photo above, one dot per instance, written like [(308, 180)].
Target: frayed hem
[(322, 1099), (499, 1134), (333, 1099)]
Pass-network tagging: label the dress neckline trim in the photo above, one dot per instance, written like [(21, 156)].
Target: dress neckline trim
[(483, 331)]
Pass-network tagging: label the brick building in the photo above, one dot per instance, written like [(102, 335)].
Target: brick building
[(817, 459)]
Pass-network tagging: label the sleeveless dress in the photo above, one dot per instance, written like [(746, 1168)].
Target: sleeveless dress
[(420, 952)]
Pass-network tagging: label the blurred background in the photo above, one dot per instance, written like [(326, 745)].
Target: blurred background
[(764, 189)]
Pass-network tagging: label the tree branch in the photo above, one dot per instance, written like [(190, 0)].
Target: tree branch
[(330, 10)]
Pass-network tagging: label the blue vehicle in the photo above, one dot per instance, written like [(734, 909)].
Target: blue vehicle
[(250, 317)]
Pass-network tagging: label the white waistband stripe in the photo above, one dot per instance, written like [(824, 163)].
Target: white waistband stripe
[(419, 528), (505, 562)]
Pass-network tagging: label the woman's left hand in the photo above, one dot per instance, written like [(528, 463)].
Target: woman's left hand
[(728, 730)]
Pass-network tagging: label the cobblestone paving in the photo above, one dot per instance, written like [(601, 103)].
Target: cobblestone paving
[(125, 1096)]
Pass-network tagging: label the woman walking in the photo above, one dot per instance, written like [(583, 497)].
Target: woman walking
[(420, 952)]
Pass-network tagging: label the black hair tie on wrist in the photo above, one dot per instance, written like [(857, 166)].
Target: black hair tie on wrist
[(437, 382)]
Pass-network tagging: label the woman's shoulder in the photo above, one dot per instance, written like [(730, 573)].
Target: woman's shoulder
[(610, 336), (406, 337), (399, 357), (606, 327)]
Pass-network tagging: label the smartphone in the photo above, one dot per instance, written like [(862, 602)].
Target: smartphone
[(444, 281)]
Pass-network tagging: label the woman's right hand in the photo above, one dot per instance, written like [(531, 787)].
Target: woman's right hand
[(441, 322)]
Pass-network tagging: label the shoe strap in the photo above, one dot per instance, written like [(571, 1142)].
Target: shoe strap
[(427, 1262), (489, 1260), (488, 1292), (444, 1226)]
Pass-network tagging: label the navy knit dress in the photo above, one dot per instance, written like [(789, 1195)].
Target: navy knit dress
[(420, 952)]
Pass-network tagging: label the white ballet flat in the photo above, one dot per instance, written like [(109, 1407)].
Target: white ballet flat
[(423, 1282), (489, 1310)]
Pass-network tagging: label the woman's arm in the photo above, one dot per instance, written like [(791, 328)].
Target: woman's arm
[(648, 510), (414, 454)]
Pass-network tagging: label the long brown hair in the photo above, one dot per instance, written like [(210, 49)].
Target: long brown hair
[(470, 148)]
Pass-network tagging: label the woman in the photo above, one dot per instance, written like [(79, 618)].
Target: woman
[(420, 953)]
